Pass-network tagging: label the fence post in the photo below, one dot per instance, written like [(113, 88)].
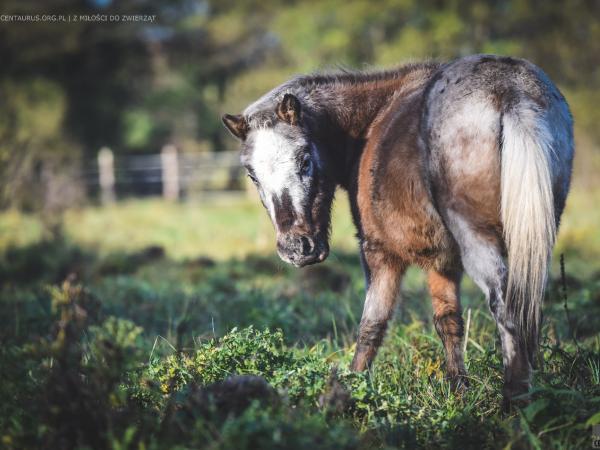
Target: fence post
[(106, 172), (170, 172)]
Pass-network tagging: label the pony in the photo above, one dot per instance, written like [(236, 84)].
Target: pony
[(456, 167)]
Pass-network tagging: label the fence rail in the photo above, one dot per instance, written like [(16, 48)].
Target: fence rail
[(169, 173)]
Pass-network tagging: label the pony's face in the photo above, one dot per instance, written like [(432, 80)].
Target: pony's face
[(285, 166)]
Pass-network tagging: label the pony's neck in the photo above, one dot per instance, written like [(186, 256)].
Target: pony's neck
[(354, 108), (347, 113), (348, 109)]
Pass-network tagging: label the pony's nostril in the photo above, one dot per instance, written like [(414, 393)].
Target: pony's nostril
[(307, 245)]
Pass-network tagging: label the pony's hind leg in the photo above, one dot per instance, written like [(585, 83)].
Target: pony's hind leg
[(482, 260), (448, 322)]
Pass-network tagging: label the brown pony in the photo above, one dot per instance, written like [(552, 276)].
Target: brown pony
[(455, 167)]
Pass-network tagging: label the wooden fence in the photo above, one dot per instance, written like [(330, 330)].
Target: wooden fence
[(170, 173)]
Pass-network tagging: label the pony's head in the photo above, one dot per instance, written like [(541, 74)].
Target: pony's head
[(289, 171)]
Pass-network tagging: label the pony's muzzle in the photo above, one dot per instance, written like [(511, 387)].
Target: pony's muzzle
[(301, 250)]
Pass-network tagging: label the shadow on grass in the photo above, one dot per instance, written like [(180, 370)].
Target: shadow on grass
[(184, 302)]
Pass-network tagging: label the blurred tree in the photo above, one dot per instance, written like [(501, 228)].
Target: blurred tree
[(128, 85)]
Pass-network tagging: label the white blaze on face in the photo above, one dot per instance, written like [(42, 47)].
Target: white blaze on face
[(275, 165)]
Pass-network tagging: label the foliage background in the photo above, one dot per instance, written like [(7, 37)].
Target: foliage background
[(68, 89), (122, 325)]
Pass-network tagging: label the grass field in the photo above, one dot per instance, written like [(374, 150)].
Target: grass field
[(119, 331)]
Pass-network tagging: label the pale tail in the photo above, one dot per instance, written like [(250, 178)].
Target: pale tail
[(527, 215)]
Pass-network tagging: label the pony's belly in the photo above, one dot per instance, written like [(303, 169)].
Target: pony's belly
[(418, 237)]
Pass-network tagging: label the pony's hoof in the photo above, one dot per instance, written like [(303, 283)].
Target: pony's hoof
[(514, 398), (459, 383)]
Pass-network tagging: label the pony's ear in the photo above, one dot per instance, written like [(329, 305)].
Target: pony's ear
[(289, 109), (236, 125)]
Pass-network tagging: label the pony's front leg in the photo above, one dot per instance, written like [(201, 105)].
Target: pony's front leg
[(383, 281)]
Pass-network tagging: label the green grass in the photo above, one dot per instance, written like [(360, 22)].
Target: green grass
[(222, 228), (133, 350)]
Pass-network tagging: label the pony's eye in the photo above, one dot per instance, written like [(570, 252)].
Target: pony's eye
[(253, 178), (306, 166)]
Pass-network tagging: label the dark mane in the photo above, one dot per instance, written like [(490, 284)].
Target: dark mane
[(314, 88), (348, 76)]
